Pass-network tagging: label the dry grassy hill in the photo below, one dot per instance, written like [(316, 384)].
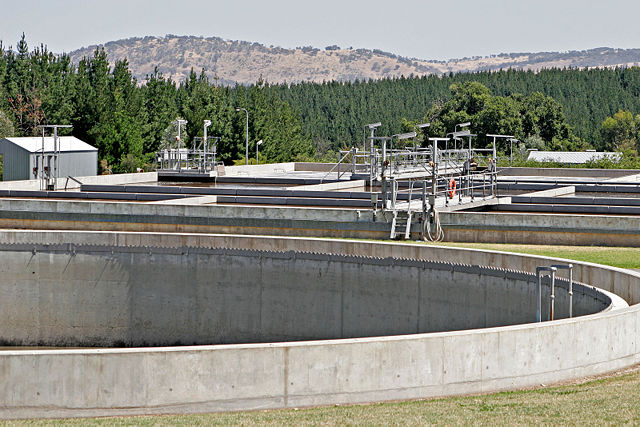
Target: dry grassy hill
[(245, 62)]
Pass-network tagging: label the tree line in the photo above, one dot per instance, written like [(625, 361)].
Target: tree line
[(574, 102), (128, 120)]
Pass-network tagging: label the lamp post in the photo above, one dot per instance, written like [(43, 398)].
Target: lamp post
[(258, 158), (457, 134), (372, 127), (246, 154), (207, 123), (509, 138), (372, 156), (205, 145)]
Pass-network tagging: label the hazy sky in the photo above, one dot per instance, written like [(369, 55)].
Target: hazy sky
[(422, 29)]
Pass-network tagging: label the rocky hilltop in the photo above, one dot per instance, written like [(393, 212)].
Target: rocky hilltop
[(245, 62)]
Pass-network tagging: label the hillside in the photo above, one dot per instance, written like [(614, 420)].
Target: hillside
[(245, 62)]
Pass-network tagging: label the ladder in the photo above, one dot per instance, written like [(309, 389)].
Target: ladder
[(401, 225)]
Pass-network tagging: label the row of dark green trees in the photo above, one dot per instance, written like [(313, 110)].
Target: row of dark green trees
[(127, 120)]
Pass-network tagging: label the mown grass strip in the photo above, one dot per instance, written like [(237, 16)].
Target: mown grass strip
[(614, 256)]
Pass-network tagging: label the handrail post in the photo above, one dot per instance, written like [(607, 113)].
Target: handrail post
[(570, 268), (540, 271), (552, 297)]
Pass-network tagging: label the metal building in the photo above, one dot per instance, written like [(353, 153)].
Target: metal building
[(572, 157), (25, 157)]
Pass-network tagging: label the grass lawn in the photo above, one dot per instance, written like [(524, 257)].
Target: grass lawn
[(612, 400), (617, 257)]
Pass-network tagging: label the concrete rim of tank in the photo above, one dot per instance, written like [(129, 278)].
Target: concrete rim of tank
[(611, 335), (617, 302)]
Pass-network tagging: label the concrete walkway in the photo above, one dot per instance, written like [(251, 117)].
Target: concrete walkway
[(626, 178)]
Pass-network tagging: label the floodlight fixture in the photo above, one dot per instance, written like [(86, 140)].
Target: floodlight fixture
[(405, 135), (207, 123), (372, 128), (456, 135), (258, 151), (464, 125), (422, 125), (179, 123)]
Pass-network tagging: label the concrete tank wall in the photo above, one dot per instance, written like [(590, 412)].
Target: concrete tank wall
[(301, 221), (75, 295), (277, 375)]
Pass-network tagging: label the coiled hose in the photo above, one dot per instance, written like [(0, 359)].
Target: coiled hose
[(438, 235)]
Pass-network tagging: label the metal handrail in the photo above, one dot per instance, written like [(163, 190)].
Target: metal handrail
[(69, 177), (338, 164)]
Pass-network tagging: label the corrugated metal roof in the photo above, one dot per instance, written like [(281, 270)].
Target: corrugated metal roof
[(33, 144), (575, 157)]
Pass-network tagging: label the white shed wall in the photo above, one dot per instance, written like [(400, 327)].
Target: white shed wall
[(20, 162), (16, 163)]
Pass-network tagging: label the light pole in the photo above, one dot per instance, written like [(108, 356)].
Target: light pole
[(205, 145), (207, 123), (258, 158), (509, 138), (372, 156), (246, 154)]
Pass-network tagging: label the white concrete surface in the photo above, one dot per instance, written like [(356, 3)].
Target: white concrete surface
[(566, 172), (257, 170), (553, 192), (627, 178), (116, 179), (193, 201), (355, 185)]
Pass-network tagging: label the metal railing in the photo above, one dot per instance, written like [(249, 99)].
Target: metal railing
[(201, 157), (72, 179)]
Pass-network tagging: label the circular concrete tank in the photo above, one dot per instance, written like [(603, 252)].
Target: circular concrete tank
[(371, 321), (79, 295)]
